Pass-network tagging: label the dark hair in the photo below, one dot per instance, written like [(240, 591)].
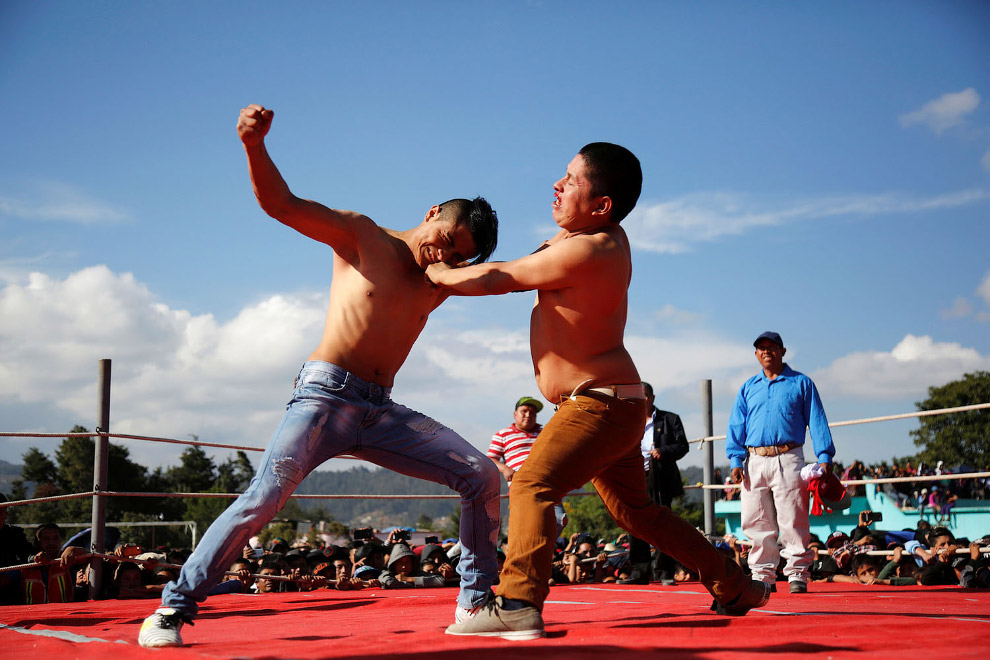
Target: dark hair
[(43, 526), (859, 561), (937, 574), (937, 532), (613, 172), (481, 221), (269, 562), (648, 389)]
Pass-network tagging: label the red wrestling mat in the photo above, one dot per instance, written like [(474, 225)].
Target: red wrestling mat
[(591, 621)]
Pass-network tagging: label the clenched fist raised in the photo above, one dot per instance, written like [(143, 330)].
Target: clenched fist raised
[(253, 124)]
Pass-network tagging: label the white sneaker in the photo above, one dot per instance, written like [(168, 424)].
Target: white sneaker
[(461, 614), (162, 628), (491, 620)]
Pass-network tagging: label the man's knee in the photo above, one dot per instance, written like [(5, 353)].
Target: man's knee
[(480, 478)]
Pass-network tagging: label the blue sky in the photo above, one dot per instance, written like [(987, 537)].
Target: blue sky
[(822, 170)]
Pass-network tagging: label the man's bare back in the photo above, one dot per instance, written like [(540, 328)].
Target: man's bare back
[(379, 297)]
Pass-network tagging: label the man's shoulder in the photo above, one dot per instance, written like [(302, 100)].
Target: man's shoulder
[(790, 372), (752, 380), (795, 375)]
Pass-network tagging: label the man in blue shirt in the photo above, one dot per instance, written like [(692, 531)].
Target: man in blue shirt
[(765, 447)]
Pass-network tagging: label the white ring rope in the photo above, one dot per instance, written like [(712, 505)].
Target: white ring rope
[(879, 480), (124, 436), (110, 493), (870, 420)]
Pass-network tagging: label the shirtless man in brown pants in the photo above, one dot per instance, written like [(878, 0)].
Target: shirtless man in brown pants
[(581, 276)]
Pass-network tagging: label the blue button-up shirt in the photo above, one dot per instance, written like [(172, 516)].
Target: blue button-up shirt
[(777, 412)]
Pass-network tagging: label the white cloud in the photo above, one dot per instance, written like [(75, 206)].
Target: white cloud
[(674, 226), (173, 373), (913, 365), (60, 202), (677, 317), (944, 112), (983, 290), (961, 308)]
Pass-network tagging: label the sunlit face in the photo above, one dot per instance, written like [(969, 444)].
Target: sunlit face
[(445, 241), (770, 356), (342, 569), (942, 542), (866, 573), (130, 579), (237, 566), (403, 566), (525, 417), (50, 542), (267, 586), (574, 206)]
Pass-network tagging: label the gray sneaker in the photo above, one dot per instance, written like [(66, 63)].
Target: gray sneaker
[(799, 587), (492, 620)]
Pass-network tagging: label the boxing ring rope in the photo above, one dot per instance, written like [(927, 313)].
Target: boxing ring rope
[(871, 420), (878, 480)]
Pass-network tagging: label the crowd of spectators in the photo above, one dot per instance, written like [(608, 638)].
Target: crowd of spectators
[(935, 498), (927, 555)]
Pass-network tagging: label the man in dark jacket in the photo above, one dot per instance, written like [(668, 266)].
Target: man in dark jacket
[(664, 443), (661, 452)]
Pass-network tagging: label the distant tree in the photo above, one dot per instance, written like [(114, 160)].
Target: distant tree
[(285, 530), (38, 468), (588, 514), (195, 473), (38, 473), (956, 438), (424, 522), (235, 473)]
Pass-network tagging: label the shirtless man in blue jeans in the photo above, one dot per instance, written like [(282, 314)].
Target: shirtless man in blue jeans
[(380, 300)]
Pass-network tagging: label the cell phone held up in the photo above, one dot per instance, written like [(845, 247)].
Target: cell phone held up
[(362, 534), (873, 516)]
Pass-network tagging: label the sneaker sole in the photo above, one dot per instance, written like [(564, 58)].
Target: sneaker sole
[(514, 635), (159, 646)]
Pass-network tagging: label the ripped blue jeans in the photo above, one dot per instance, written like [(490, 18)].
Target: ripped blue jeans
[(334, 412)]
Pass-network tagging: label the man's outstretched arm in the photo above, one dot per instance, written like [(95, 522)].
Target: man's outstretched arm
[(330, 226), (554, 267)]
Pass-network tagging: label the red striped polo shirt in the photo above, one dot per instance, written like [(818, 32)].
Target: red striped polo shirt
[(511, 446)]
